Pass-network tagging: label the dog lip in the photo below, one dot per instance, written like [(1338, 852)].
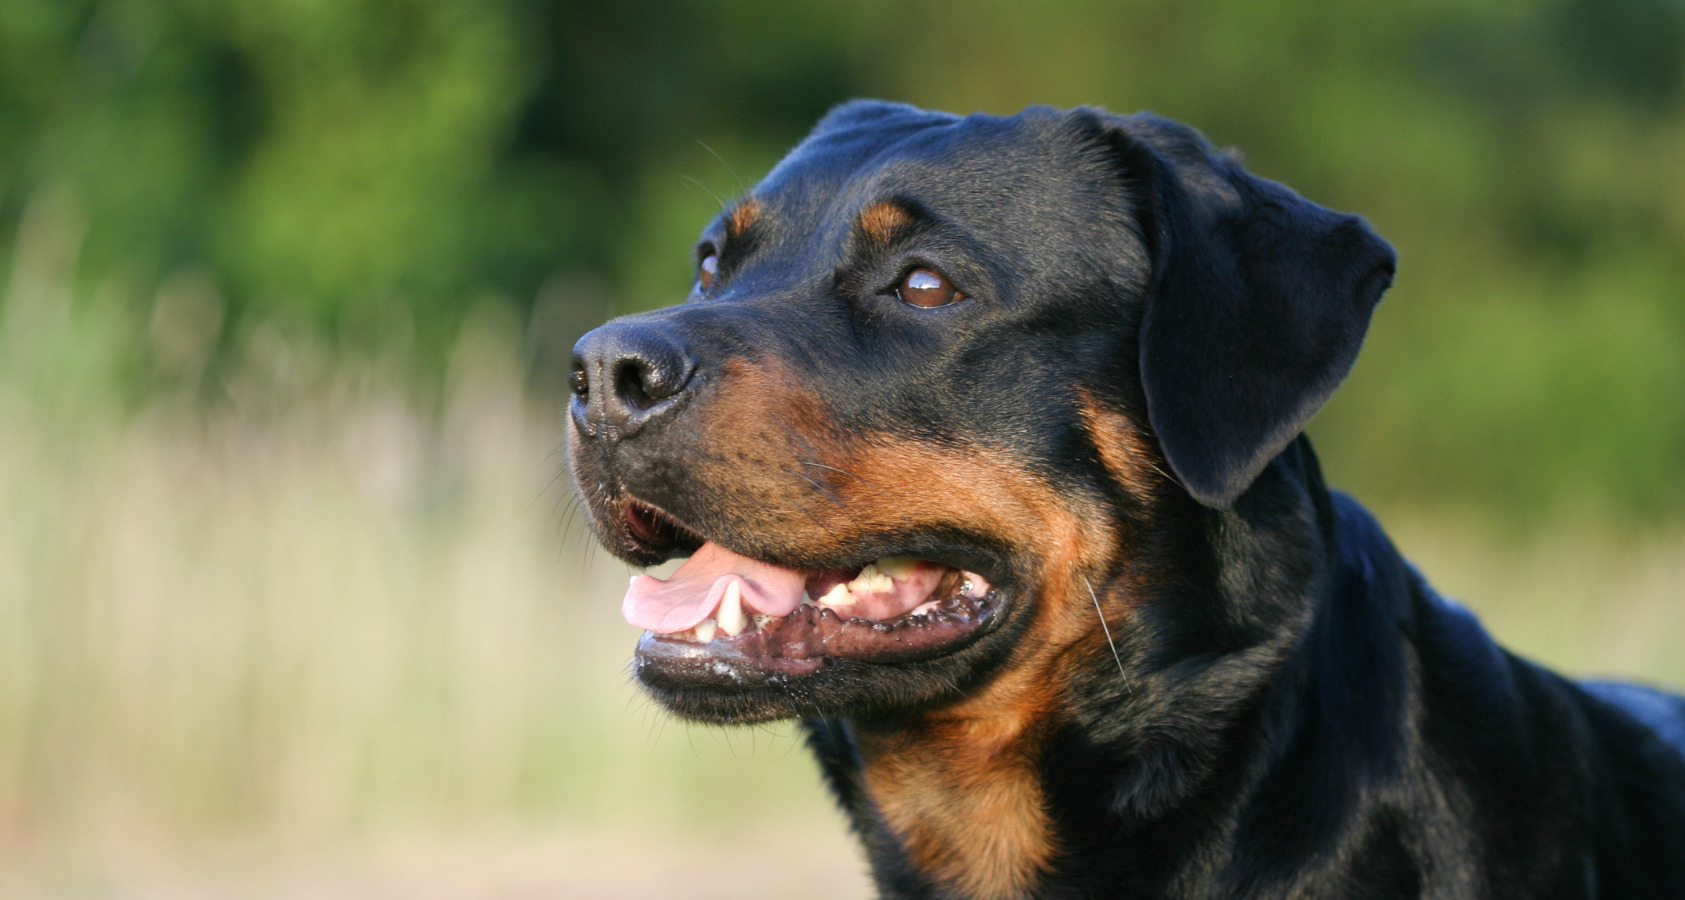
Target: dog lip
[(716, 663), (654, 532), (811, 637)]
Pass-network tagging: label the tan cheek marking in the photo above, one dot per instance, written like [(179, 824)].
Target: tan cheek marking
[(962, 787), (1128, 454), (881, 221), (756, 433), (764, 392)]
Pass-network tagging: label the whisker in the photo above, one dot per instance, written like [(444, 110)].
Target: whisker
[(815, 519), (560, 473), (1108, 632), (741, 187), (717, 197), (821, 487)]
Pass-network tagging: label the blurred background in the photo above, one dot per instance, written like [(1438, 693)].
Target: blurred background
[(293, 599)]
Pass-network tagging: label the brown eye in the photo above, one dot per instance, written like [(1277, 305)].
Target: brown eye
[(927, 288), (705, 271)]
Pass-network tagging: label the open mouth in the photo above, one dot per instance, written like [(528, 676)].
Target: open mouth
[(744, 614)]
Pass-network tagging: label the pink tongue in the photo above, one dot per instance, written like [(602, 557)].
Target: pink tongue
[(694, 591)]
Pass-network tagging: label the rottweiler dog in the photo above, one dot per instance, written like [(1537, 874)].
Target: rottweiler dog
[(983, 438)]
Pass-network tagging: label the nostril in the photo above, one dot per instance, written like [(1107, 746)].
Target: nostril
[(632, 385), (580, 383)]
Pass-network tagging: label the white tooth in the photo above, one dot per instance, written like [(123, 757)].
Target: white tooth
[(972, 585), (870, 580), (806, 600), (730, 613), (896, 566), (704, 630), (837, 596)]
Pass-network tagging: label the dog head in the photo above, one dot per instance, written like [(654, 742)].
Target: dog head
[(941, 388)]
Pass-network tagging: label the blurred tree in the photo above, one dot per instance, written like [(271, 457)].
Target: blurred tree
[(370, 168)]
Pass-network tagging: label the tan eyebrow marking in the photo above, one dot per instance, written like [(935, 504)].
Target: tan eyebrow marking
[(881, 221), (742, 216)]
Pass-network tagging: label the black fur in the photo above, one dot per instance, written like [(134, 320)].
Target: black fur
[(1291, 711), (1257, 306)]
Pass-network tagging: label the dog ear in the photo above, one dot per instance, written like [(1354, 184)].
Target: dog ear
[(1258, 303)]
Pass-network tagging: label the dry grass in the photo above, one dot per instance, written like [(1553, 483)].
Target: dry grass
[(312, 640)]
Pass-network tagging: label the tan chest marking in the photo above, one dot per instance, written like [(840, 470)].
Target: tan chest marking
[(965, 799)]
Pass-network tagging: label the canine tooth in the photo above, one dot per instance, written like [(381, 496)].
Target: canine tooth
[(730, 613), (704, 631), (870, 580), (837, 596), (896, 566)]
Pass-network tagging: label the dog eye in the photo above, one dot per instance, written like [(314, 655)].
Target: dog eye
[(705, 271), (927, 288)]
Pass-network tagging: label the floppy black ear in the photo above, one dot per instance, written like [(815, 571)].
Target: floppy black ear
[(1258, 303)]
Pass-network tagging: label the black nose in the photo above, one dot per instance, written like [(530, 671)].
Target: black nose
[(625, 375)]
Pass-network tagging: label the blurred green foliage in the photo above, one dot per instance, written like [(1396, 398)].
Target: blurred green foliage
[(365, 171)]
